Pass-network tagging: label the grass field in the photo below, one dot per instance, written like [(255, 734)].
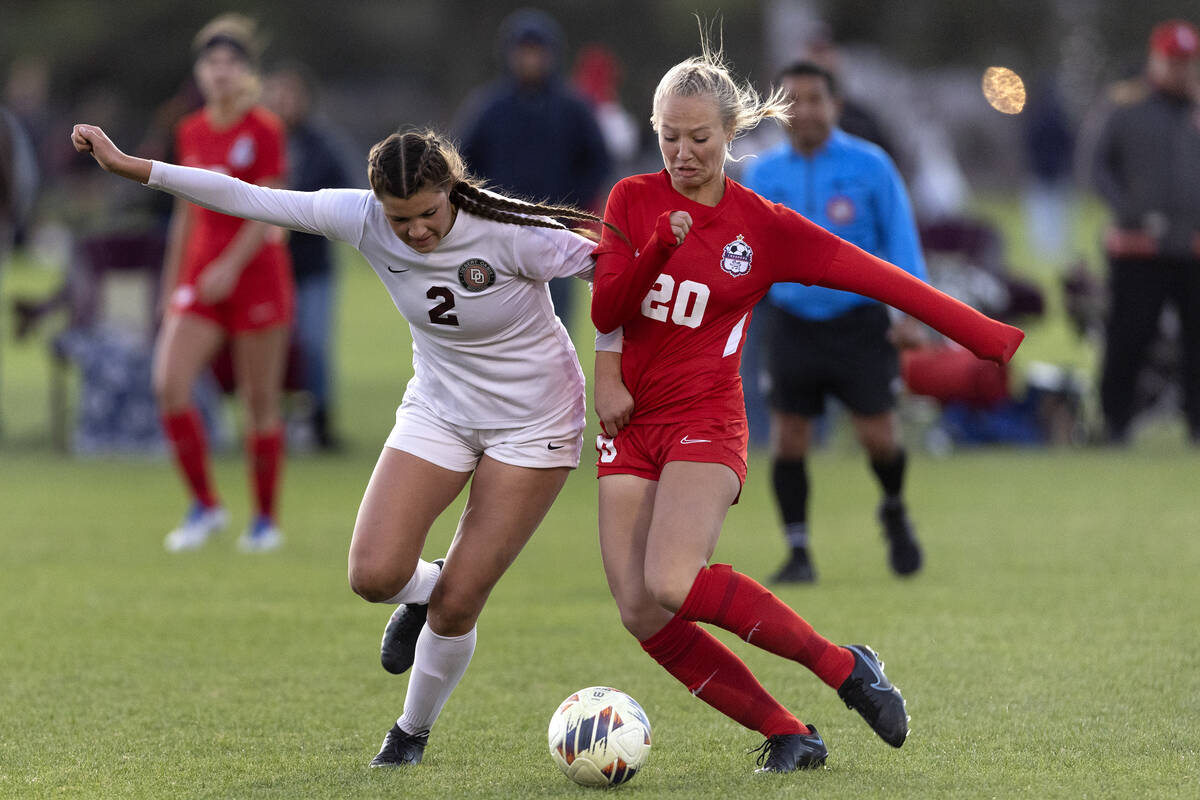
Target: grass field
[(1048, 650)]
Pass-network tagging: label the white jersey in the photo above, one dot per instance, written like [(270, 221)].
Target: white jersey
[(488, 350)]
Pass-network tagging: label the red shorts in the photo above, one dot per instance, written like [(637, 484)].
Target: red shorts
[(263, 297), (643, 449)]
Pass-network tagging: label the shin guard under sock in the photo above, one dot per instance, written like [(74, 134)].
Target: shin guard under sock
[(712, 672), (745, 607)]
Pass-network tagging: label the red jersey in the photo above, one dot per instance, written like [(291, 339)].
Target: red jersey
[(683, 346), (252, 149), (685, 309)]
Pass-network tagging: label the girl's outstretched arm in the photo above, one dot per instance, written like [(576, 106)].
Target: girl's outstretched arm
[(92, 139)]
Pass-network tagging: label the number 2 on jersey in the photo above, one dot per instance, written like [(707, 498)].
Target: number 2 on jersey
[(441, 314), (685, 307)]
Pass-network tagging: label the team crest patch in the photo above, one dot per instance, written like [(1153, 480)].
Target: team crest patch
[(241, 153), (840, 210), (736, 257), (475, 275)]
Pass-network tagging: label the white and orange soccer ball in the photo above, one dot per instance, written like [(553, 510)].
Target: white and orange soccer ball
[(599, 737)]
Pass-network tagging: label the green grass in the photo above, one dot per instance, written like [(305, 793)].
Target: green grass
[(1051, 338), (1048, 650)]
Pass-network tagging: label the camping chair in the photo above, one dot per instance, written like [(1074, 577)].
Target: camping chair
[(112, 285)]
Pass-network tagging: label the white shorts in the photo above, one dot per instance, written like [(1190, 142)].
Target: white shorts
[(552, 442)]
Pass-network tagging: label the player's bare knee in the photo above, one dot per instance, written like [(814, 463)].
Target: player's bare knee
[(668, 589), (640, 624), (171, 394), (373, 585), (879, 435), (262, 410), (450, 616), (790, 436), (880, 448)]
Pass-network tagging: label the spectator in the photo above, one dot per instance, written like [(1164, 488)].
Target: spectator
[(314, 164), (822, 342), (18, 179), (597, 74), (27, 97), (529, 134), (1147, 168), (1049, 141), (18, 185)]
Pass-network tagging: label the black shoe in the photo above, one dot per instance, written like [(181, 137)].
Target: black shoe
[(401, 748), (904, 553), (870, 693), (791, 751), (399, 645), (327, 440), (797, 569)]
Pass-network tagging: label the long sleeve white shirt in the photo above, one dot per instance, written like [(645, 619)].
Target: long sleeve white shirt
[(488, 350)]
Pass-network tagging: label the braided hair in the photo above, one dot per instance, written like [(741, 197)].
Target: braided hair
[(407, 162)]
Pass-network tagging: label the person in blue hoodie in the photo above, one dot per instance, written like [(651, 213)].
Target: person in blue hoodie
[(529, 134), (822, 342)]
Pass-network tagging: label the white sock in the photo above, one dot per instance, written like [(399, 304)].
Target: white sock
[(439, 666), (419, 586)]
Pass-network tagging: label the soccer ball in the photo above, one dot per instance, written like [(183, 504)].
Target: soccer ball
[(599, 737)]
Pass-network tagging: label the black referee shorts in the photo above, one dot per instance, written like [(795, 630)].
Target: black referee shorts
[(848, 357)]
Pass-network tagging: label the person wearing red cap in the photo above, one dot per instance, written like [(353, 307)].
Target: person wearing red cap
[(1147, 168), (1175, 39)]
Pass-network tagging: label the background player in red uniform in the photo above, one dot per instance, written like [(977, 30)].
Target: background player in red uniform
[(227, 279), (705, 251)]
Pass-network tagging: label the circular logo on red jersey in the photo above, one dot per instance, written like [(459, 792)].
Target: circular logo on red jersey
[(737, 257), (475, 275), (242, 152), (840, 210)]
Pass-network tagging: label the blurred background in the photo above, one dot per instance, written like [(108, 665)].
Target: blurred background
[(1009, 220), (387, 63)]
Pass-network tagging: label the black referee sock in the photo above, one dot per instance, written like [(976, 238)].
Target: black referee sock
[(891, 474), (790, 479)]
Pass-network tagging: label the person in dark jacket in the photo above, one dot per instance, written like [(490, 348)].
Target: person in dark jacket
[(1147, 168), (529, 134), (315, 164)]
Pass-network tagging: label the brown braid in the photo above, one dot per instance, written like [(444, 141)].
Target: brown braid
[(405, 163)]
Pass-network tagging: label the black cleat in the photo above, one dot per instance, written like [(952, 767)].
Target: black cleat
[(400, 748), (871, 694), (904, 553), (399, 646), (797, 569), (791, 751)]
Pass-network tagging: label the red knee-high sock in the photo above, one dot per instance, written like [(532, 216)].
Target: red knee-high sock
[(265, 451), (745, 607), (718, 677), (185, 432)]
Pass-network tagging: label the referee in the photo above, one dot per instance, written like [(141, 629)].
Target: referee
[(823, 342)]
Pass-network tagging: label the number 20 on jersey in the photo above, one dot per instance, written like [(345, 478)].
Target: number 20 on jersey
[(684, 306)]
